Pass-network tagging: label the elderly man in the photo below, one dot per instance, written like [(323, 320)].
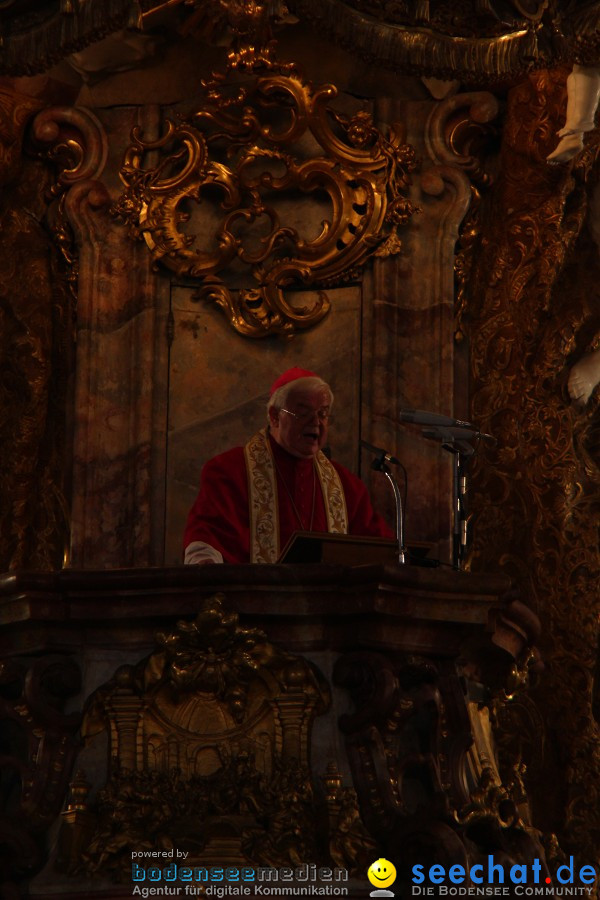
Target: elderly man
[(253, 498)]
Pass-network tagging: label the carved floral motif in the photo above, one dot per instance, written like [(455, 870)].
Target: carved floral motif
[(265, 179), (213, 726), (424, 764), (532, 309)]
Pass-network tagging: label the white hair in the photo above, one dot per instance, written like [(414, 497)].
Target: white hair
[(279, 398)]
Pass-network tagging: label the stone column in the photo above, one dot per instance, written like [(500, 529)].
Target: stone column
[(119, 419), (409, 351)]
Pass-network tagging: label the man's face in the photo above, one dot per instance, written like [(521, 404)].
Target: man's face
[(300, 430)]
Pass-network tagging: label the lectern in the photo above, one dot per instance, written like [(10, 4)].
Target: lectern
[(339, 549)]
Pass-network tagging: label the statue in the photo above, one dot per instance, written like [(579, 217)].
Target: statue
[(583, 93), (583, 377)]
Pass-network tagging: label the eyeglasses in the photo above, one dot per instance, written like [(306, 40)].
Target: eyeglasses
[(322, 414)]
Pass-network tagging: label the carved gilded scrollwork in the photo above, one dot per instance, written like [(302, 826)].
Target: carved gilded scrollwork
[(489, 799), (463, 263), (36, 328), (388, 697), (424, 763), (73, 141), (350, 844), (459, 131), (39, 742), (532, 310), (213, 726), (459, 134), (36, 34), (472, 41), (265, 180)]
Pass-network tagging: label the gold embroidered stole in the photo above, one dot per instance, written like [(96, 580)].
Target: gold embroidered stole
[(263, 500)]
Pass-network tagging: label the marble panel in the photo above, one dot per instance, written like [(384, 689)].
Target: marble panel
[(408, 348), (120, 413)]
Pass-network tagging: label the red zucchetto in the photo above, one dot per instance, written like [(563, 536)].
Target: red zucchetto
[(292, 374)]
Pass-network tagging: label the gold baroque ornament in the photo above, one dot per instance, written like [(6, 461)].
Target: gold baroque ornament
[(209, 751), (531, 315), (265, 179)]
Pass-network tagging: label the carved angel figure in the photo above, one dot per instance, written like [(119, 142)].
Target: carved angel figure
[(583, 93), (584, 377)]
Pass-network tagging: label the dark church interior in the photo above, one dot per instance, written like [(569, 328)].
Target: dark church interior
[(402, 196)]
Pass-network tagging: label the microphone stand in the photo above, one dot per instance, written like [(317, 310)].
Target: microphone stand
[(459, 518), (456, 441), (380, 464), (454, 436)]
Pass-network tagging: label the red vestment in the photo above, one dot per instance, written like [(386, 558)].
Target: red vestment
[(220, 515)]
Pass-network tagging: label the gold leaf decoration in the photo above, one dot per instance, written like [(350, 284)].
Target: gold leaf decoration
[(265, 185), (214, 726), (532, 312)]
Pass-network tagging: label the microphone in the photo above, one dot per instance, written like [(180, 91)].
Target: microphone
[(422, 417), (381, 453), (457, 437), (380, 464), (454, 433)]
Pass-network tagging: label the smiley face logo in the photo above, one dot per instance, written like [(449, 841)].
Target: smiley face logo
[(381, 874)]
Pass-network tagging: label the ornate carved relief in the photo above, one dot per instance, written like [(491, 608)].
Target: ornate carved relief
[(424, 763), (469, 40), (351, 846), (459, 135), (472, 41), (459, 130), (73, 142), (35, 34), (213, 726), (266, 181), (115, 477), (37, 746), (411, 317), (36, 352), (533, 306)]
